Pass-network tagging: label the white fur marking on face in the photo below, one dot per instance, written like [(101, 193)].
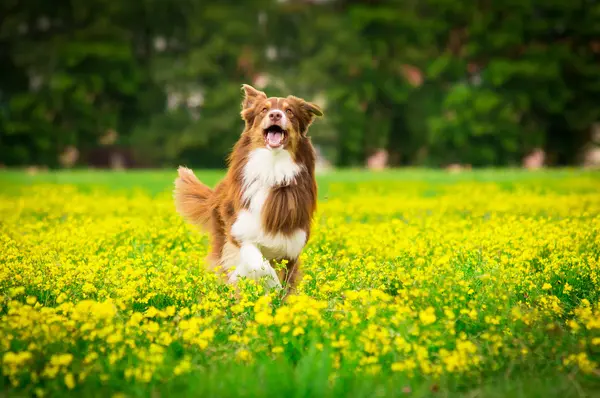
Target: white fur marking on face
[(266, 122)]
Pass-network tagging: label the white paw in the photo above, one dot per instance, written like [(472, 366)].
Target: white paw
[(254, 266), (250, 257), (272, 279)]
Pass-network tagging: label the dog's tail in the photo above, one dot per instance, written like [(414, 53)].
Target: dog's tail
[(192, 198)]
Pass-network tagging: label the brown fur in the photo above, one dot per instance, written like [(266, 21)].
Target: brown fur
[(286, 209)]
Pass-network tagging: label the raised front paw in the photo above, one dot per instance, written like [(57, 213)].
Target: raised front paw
[(254, 266), (250, 257)]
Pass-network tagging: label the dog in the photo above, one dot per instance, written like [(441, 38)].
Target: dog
[(261, 212)]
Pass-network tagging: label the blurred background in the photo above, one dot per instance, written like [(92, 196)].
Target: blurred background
[(435, 83)]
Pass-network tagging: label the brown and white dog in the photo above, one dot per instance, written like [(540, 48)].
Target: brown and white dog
[(261, 212)]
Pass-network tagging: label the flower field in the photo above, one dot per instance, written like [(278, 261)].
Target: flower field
[(415, 284)]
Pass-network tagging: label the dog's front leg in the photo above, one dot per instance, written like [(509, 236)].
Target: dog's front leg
[(253, 265), (246, 229)]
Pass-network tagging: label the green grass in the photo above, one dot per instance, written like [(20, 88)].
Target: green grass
[(159, 181), (308, 379)]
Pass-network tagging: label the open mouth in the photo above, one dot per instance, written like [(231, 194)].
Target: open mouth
[(275, 136)]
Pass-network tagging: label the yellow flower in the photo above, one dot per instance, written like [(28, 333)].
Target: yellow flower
[(567, 289), (243, 355), (184, 366), (573, 325), (70, 381), (16, 291), (444, 286), (427, 316), (262, 318), (298, 331), (61, 359)]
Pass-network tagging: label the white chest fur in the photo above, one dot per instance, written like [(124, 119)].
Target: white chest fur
[(264, 170)]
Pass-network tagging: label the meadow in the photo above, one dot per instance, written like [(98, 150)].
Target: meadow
[(417, 283)]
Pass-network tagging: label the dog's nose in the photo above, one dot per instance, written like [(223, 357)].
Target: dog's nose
[(275, 115)]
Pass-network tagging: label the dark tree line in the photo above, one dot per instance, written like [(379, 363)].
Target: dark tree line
[(432, 81)]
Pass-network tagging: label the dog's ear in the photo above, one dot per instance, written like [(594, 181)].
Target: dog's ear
[(313, 108), (310, 111), (251, 96)]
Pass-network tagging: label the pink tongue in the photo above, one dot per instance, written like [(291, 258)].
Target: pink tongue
[(274, 138)]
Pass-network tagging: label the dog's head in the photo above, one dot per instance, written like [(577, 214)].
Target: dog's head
[(276, 123)]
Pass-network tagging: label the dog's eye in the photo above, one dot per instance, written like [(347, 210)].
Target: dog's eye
[(264, 110), (289, 112)]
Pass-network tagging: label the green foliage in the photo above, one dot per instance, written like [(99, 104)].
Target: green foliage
[(478, 127), (433, 81), (78, 76)]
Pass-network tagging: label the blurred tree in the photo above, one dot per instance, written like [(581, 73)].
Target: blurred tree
[(201, 65), (515, 76), (73, 74), (441, 81), (432, 81), (353, 55)]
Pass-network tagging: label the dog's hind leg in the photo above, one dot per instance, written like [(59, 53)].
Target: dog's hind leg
[(293, 274)]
